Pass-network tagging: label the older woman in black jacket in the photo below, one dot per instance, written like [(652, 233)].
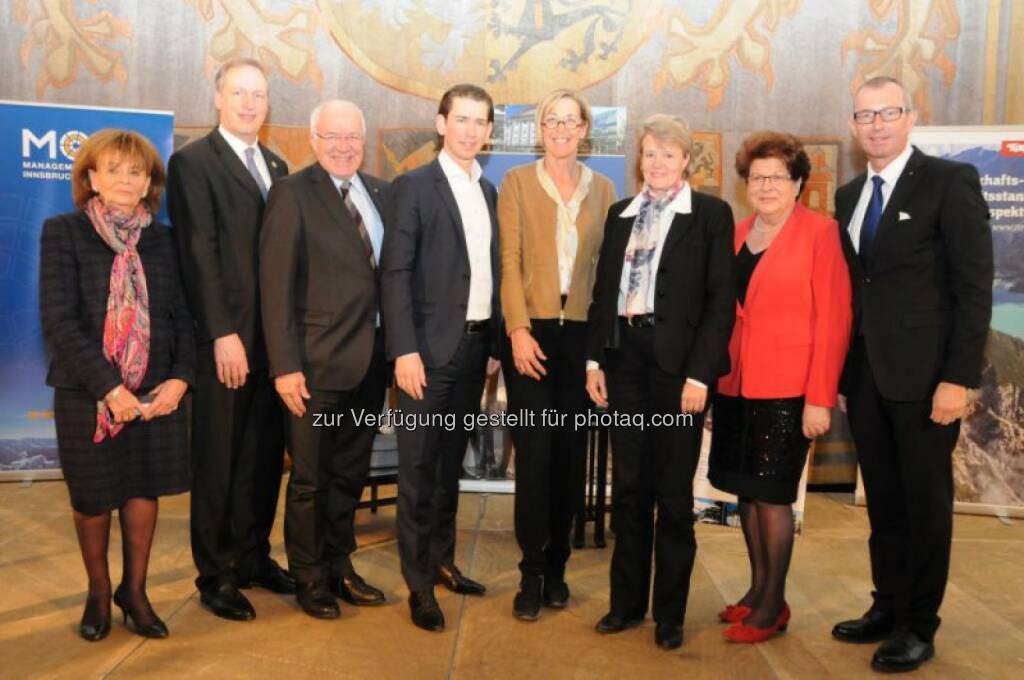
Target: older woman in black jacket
[(658, 330), (123, 353)]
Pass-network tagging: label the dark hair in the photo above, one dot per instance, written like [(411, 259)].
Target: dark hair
[(466, 91), (768, 144), (130, 145)]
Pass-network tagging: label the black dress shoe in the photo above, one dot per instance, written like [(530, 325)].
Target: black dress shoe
[(526, 604), (226, 602), (613, 623), (144, 620), (317, 601), (871, 627), (426, 613), (451, 578), (273, 577), (95, 624), (556, 594), (668, 635), (353, 589), (903, 651)]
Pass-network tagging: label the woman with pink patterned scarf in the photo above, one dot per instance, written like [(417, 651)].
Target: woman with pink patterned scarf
[(122, 356)]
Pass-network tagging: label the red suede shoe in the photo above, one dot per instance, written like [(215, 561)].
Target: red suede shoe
[(734, 613), (741, 632)]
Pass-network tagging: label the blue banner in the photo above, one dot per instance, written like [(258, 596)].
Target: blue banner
[(38, 143)]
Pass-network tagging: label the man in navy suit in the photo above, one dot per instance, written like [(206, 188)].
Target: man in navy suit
[(919, 248), (216, 193), (440, 275)]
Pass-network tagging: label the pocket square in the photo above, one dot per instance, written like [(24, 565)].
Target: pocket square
[(904, 216)]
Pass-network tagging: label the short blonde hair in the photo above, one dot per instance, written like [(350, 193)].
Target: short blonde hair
[(667, 130), (131, 146), (238, 62), (558, 95)]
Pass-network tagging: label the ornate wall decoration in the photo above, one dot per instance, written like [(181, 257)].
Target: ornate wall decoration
[(701, 55), (706, 163), (819, 194), (288, 141), (518, 50), (924, 28), (400, 150), (68, 41), (284, 41)]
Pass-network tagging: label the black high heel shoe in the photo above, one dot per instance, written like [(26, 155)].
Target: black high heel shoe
[(94, 626), (156, 629)]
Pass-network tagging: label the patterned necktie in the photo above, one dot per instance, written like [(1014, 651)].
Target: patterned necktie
[(346, 196), (250, 164), (872, 217)]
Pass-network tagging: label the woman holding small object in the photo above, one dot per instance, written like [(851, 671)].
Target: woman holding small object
[(123, 354)]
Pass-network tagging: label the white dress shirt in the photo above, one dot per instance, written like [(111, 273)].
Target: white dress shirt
[(890, 174), (476, 225), (239, 147), (682, 204)]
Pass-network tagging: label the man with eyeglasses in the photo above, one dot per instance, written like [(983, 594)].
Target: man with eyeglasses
[(216, 192), (319, 269), (919, 249)]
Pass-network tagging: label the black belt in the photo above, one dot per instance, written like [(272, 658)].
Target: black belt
[(477, 326), (638, 321)]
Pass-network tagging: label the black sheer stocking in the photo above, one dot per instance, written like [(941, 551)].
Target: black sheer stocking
[(93, 539), (138, 522), (755, 551), (774, 529)]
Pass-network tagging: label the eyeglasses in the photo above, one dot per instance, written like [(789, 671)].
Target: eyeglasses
[(888, 114), (351, 139), (570, 123), (763, 181)]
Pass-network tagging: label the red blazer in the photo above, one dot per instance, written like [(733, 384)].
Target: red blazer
[(791, 336)]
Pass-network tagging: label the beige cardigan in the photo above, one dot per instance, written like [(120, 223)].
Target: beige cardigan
[(527, 217)]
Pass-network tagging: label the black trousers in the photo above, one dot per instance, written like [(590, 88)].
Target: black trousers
[(430, 458), (906, 460), (237, 457), (549, 457), (652, 467), (330, 452)]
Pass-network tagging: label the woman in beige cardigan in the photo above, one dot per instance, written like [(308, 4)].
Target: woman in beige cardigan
[(552, 215)]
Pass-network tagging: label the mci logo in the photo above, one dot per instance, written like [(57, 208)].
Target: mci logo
[(48, 143)]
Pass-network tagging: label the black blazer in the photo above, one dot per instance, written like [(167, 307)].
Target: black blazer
[(320, 294), (694, 290), (74, 282), (425, 267), (216, 209), (924, 300)]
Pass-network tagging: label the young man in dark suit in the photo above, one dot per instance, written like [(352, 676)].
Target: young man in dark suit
[(440, 279), (319, 250), (919, 248), (216, 190)]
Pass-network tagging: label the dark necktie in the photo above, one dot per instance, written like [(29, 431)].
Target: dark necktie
[(872, 216), (250, 165), (346, 196)]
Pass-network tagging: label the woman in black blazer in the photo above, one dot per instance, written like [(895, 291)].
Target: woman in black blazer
[(658, 329), (123, 354)]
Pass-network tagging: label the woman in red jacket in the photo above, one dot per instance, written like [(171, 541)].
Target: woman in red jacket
[(793, 317)]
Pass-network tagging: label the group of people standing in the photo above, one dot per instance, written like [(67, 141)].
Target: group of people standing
[(311, 290)]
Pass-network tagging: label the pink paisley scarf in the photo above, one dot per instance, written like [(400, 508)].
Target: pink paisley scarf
[(126, 328)]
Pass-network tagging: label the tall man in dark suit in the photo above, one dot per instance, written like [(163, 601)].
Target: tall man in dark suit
[(440, 274), (319, 250), (215, 194), (919, 248)]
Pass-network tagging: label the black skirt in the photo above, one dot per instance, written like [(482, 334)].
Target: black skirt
[(758, 448), (144, 459)]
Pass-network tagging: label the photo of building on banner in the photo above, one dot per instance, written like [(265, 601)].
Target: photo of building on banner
[(38, 143), (988, 463)]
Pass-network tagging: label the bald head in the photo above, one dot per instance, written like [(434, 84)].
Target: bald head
[(337, 131)]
